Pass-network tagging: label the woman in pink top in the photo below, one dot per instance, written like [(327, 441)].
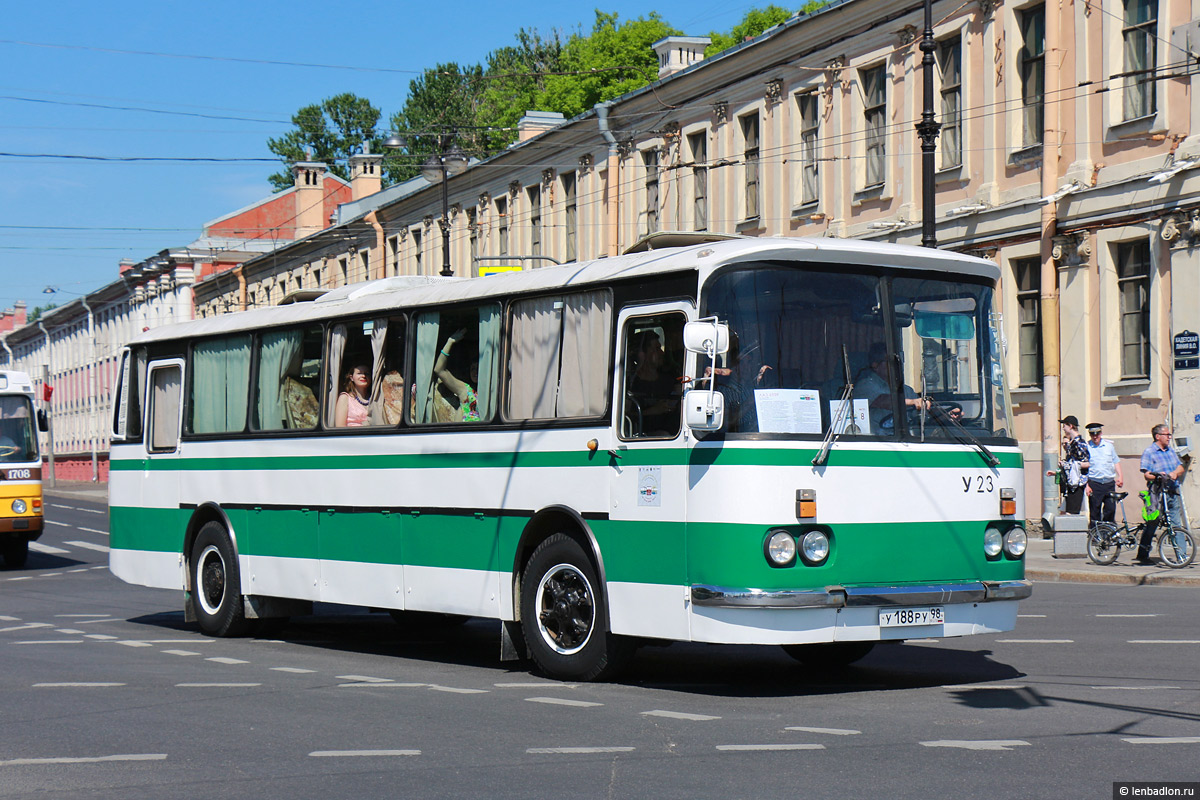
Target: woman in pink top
[(351, 408)]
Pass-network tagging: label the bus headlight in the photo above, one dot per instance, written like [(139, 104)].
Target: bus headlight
[(815, 547), (781, 548), (993, 542), (1015, 542), (19, 506)]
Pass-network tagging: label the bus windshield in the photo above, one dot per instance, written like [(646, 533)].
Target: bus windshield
[(18, 435), (868, 354)]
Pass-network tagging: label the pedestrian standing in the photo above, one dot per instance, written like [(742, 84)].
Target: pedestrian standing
[(1074, 464), (1163, 468), (1104, 475)]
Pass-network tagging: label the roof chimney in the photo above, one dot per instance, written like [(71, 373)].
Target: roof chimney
[(19, 314), (310, 196), (677, 53), (365, 173), (535, 122)]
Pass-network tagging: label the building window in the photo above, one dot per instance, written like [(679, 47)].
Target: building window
[(535, 220), (1033, 74), (344, 269), (394, 256), (416, 240), (502, 226), (1140, 37), (750, 138), (364, 256), (1133, 291), (1028, 274), (949, 63), (810, 122), (699, 146), (570, 215), (650, 160), (875, 123)]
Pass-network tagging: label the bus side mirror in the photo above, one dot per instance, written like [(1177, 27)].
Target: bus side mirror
[(706, 337), (43, 420), (704, 410)]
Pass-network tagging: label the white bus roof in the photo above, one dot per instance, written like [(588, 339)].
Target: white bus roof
[(411, 292), (12, 381)]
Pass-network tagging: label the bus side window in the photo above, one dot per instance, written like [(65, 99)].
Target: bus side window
[(653, 385), (364, 381), (288, 378), (457, 359), (219, 393)]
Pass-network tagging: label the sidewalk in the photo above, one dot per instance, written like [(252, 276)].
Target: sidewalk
[(1040, 563)]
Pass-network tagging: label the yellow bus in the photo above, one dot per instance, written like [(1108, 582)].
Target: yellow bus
[(20, 468)]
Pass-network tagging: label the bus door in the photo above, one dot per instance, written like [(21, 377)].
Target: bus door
[(159, 476), (649, 484)]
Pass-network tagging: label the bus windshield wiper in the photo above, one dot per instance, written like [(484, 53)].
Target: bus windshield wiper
[(823, 454), (952, 425)]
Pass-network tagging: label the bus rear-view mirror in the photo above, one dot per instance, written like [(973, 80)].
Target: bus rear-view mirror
[(706, 336), (704, 410)]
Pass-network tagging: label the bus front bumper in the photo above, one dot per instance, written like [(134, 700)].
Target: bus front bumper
[(857, 596)]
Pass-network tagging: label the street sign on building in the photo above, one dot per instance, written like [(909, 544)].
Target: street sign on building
[(1186, 347)]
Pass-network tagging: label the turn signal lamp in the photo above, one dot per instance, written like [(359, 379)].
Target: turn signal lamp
[(806, 503), (37, 503), (1008, 502)]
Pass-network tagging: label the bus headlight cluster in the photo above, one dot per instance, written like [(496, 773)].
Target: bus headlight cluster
[(781, 548), (815, 547), (1015, 542), (993, 542), (19, 506)]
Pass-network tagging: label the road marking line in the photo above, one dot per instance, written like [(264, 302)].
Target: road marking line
[(1164, 641), (77, 685), (6, 618), (225, 660), (1031, 616), (678, 715), (387, 685), (1036, 641), (92, 530), (101, 566), (52, 641), (104, 637), (960, 687), (181, 652), (49, 574), (68, 630), (26, 626), (357, 753), (830, 731), (134, 643), (177, 641), (94, 621), (81, 569), (560, 701), (536, 685), (747, 748), (539, 751), (216, 685), (1164, 740), (981, 744), (16, 762), (38, 547), (455, 690), (364, 679), (56, 522), (1136, 688), (99, 548), (1125, 616), (295, 670), (80, 616)]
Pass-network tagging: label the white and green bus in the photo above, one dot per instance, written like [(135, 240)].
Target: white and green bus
[(21, 519), (796, 442)]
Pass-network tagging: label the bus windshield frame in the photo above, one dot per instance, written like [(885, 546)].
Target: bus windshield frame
[(18, 430)]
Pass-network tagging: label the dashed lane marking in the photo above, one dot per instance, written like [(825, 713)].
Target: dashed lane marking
[(20, 578), (364, 679), (830, 731), (1125, 616), (980, 744), (1164, 740), (536, 685), (56, 522), (102, 637), (1031, 616), (99, 548), (181, 652), (964, 687), (6, 618), (1136, 688), (68, 631), (92, 530), (18, 762), (134, 643), (384, 685), (216, 685), (76, 685), (361, 753), (455, 690), (38, 547), (52, 641), (560, 701), (679, 715), (1035, 641), (50, 574), (224, 660), (27, 626), (749, 748), (540, 751), (80, 616), (293, 670), (1164, 641), (94, 621), (76, 508)]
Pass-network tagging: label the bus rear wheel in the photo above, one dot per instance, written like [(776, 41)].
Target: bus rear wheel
[(16, 553), (216, 596), (563, 615), (833, 654)]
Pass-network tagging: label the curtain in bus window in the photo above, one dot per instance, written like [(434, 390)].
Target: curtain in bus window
[(279, 358), (536, 340), (489, 354), (220, 384), (427, 349), (587, 321), (164, 427), (337, 344), (378, 340)]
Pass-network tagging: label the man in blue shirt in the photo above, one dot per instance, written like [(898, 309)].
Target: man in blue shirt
[(1104, 475), (1160, 463)]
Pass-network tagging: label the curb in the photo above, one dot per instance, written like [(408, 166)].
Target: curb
[(1077, 576)]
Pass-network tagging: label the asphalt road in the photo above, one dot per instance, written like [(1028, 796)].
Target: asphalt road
[(105, 692)]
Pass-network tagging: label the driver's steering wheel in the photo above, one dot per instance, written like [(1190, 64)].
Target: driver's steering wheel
[(8, 449)]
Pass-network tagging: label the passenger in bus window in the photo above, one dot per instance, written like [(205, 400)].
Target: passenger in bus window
[(352, 403), (468, 403), (654, 387)]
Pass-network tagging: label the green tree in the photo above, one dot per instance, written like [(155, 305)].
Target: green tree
[(37, 312), (512, 82), (443, 100), (614, 59), (756, 22), (333, 130)]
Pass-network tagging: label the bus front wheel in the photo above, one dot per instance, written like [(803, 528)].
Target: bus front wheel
[(563, 615), (216, 596), (16, 553)]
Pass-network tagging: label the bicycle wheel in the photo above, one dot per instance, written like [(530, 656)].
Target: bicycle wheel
[(1102, 547), (1176, 547)]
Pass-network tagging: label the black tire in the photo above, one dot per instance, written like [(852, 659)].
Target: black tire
[(563, 615), (831, 655), (216, 595), (1169, 554), (1102, 546), (16, 553)]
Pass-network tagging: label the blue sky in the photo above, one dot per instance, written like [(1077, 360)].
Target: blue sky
[(64, 91)]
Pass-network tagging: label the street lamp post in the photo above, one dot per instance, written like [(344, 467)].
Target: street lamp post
[(449, 160), (927, 131)]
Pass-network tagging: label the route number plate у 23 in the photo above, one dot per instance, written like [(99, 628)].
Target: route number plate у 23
[(906, 617)]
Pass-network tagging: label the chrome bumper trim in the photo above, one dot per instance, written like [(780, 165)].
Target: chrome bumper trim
[(842, 597)]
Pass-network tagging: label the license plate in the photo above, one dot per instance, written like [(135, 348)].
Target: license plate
[(905, 617)]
